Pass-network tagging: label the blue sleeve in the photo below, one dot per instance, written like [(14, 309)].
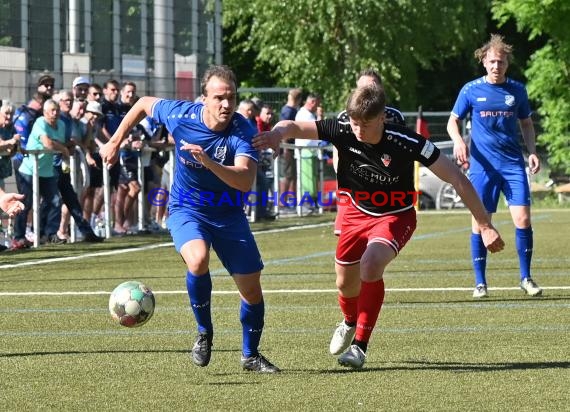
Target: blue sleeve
[(163, 111), (21, 124), (524, 110), (462, 105)]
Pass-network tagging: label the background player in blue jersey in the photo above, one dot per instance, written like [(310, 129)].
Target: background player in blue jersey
[(375, 166), (497, 104), (215, 164)]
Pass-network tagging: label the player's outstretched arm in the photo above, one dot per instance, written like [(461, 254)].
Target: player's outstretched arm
[(446, 170), (285, 129), (529, 136), (110, 151), (460, 149)]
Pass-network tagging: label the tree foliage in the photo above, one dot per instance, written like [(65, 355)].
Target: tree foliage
[(549, 70), (321, 45)]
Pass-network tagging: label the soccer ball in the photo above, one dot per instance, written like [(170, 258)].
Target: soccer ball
[(131, 304)]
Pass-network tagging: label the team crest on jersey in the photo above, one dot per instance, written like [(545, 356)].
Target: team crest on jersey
[(509, 100), (386, 159), (221, 153)]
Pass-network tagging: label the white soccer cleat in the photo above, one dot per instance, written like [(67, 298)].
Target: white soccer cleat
[(530, 287), (480, 291), (354, 357), (342, 338)]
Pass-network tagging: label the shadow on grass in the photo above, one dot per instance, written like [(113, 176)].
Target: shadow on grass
[(455, 367), (101, 352), (552, 296)]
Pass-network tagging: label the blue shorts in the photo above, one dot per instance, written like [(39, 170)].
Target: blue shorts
[(512, 182), (230, 237)]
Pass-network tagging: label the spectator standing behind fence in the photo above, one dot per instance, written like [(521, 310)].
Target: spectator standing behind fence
[(8, 144), (497, 105), (112, 116), (46, 86), (90, 202), (161, 160), (8, 140), (80, 88), (264, 178), (48, 133), (95, 93), (92, 195), (287, 164), (309, 160), (214, 157), (73, 136), (129, 185), (24, 119), (247, 109)]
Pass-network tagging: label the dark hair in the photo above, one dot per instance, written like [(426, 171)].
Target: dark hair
[(128, 83), (222, 71), (46, 78), (369, 72), (365, 103), (111, 82)]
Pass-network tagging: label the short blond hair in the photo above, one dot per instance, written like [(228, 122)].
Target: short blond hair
[(497, 43)]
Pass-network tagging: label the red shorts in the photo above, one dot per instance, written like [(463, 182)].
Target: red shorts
[(340, 208), (360, 229)]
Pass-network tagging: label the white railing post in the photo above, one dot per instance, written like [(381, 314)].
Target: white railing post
[(73, 178), (107, 200), (140, 178)]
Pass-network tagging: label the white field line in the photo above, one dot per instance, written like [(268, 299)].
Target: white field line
[(141, 249), (271, 231), (267, 291), (167, 244)]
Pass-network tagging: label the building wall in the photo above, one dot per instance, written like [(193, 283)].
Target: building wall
[(161, 45)]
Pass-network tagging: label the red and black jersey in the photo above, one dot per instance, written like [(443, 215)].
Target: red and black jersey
[(379, 178)]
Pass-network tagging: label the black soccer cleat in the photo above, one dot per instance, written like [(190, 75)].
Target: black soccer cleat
[(202, 350), (258, 363)]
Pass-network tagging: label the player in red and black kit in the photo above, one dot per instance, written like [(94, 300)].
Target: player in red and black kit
[(392, 115), (376, 172)]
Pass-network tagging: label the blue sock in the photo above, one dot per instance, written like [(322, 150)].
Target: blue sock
[(479, 255), (200, 293), (251, 317), (524, 243)]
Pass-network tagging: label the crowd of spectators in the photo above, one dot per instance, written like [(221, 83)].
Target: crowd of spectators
[(74, 122)]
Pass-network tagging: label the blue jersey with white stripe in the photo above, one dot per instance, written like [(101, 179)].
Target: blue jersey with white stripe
[(195, 186), (495, 110)]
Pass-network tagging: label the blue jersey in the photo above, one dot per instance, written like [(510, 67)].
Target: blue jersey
[(195, 186), (24, 119), (495, 110)]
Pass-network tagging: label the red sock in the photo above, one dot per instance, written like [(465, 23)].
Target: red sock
[(349, 308), (369, 305)]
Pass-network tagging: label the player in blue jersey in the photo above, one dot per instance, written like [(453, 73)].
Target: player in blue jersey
[(497, 105), (215, 164)]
